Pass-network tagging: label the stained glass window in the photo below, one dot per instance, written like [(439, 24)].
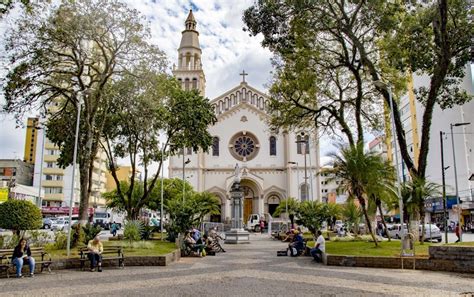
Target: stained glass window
[(215, 146), (244, 146), (273, 149)]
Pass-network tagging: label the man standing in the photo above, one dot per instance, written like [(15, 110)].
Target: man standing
[(319, 248)]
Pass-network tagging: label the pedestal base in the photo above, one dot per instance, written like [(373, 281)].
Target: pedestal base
[(235, 236)]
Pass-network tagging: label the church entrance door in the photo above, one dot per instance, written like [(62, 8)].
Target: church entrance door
[(248, 206)]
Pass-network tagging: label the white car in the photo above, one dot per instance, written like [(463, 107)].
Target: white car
[(430, 234), (62, 223)]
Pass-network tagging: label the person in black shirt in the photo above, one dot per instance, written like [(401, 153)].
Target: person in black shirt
[(22, 255)]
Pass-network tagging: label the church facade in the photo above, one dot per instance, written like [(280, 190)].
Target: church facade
[(274, 165)]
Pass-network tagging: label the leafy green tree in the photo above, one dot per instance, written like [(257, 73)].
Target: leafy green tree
[(148, 105), (189, 212), (335, 213), (20, 215), (312, 215), (292, 205), (361, 174), (71, 53)]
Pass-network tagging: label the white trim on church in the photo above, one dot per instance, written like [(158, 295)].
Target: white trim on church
[(272, 163)]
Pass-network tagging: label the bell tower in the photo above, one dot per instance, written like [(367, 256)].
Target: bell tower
[(189, 70)]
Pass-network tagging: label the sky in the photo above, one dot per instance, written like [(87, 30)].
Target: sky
[(226, 51)]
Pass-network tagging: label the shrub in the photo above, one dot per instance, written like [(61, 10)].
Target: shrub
[(60, 240), (38, 238), (133, 230), (20, 215), (9, 241), (90, 231), (147, 232)]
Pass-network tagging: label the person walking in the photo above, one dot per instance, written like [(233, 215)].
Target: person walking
[(113, 229), (262, 226), (21, 256), (458, 231), (95, 248)]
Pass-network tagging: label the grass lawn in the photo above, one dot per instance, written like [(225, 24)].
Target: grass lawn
[(153, 248), (470, 243), (362, 248)]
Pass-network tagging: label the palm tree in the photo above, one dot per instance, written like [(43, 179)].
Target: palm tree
[(420, 189), (352, 213), (361, 174), (292, 205)]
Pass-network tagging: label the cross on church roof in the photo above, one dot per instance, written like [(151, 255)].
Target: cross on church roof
[(243, 74)]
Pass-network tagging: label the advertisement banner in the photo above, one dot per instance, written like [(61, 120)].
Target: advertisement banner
[(3, 194), (63, 210)]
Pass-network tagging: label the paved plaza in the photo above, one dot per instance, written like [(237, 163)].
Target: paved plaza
[(245, 270)]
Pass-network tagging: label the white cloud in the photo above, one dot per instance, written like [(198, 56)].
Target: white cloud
[(227, 49)]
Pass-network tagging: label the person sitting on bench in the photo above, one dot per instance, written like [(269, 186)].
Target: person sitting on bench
[(296, 247), (22, 255), (319, 248), (189, 241), (95, 248)]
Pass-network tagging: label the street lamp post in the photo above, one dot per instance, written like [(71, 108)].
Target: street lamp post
[(305, 142), (74, 160), (456, 175), (297, 180), (444, 189), (184, 164), (161, 194), (41, 166)]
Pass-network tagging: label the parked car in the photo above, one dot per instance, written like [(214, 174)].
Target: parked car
[(62, 223), (48, 222), (433, 233)]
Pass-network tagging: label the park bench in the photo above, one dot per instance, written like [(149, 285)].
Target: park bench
[(109, 253), (42, 260)]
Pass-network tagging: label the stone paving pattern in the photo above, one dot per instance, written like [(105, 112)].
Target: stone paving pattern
[(245, 270)]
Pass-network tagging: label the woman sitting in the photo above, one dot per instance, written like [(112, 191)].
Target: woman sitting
[(191, 243), (22, 255)]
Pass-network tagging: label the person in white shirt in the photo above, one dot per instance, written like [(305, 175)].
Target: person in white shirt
[(319, 248)]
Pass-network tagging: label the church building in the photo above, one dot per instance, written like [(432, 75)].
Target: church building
[(274, 164)]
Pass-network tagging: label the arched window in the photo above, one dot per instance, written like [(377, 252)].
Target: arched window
[(302, 144), (304, 192), (195, 83), (186, 84), (215, 146), (273, 148)]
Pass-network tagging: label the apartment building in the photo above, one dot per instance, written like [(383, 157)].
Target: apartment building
[(57, 182), (459, 143)]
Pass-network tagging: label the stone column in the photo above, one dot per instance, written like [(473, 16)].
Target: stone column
[(237, 234)]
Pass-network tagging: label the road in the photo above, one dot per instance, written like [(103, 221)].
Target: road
[(245, 270)]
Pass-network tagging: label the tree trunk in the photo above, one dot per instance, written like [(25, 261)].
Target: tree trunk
[(84, 201), (367, 220), (422, 222), (383, 222)]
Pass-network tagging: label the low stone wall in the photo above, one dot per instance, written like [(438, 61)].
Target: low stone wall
[(442, 258), (129, 261)]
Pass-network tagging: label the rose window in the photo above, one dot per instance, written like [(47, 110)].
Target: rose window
[(244, 146)]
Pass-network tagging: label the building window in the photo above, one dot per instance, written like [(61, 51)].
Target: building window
[(302, 144), (273, 149), (215, 146), (189, 150), (54, 190), (186, 84), (304, 192), (49, 177), (195, 84)]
